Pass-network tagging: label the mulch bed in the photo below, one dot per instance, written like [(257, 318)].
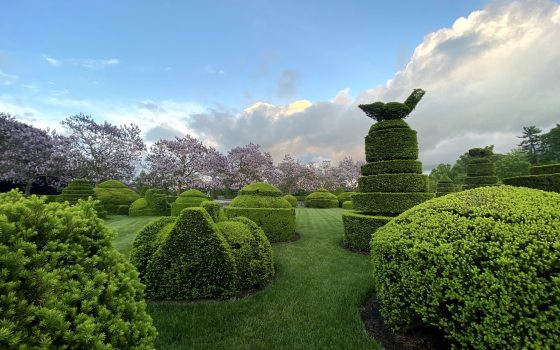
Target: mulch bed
[(420, 338)]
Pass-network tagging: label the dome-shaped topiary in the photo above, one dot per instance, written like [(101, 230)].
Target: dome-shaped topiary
[(291, 199), (482, 265), (62, 283), (154, 203), (115, 196), (191, 257), (187, 199), (321, 199), (444, 186), (263, 203), (543, 177)]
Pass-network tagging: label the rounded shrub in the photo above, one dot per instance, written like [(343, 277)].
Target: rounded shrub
[(187, 199), (321, 199), (482, 265), (62, 283), (154, 203), (358, 229), (263, 203), (444, 186), (344, 197), (291, 199), (115, 196), (347, 205), (214, 210)]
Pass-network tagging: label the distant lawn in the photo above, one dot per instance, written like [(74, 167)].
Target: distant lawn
[(312, 303)]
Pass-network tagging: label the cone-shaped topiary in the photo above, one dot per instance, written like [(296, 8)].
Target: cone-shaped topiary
[(263, 203), (115, 196), (392, 180), (544, 177), (444, 186), (291, 199), (62, 283), (321, 199), (192, 257), (187, 199), (154, 203), (80, 189), (480, 171), (482, 265)]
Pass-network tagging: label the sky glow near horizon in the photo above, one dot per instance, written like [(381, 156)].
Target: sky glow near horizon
[(287, 76)]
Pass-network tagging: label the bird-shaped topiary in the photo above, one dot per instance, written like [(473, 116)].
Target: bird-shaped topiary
[(380, 111)]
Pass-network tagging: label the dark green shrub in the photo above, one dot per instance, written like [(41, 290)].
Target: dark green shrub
[(481, 180), (444, 186), (480, 152), (115, 196), (393, 110), (344, 197), (358, 229), (392, 167), (291, 199), (388, 203), (263, 203), (62, 283), (393, 183), (545, 169), (347, 205), (187, 199), (80, 189), (154, 203), (391, 144), (482, 265), (550, 182), (321, 199), (480, 171), (214, 210)]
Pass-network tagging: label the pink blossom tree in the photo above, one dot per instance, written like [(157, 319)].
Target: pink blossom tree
[(348, 172), (248, 164)]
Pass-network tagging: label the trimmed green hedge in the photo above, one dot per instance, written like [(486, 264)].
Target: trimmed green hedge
[(388, 203), (214, 210), (550, 182), (279, 224), (481, 169), (347, 205), (321, 199), (80, 189), (187, 199), (62, 283), (291, 199), (481, 180), (393, 183), (482, 265), (153, 204), (389, 124), (398, 166), (544, 169), (445, 186), (115, 196), (391, 144), (344, 197), (261, 189), (359, 228)]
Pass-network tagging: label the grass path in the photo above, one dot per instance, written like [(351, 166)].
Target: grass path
[(312, 303)]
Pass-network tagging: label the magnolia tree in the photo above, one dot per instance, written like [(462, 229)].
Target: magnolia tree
[(248, 164), (184, 163), (30, 155), (348, 172), (104, 151)]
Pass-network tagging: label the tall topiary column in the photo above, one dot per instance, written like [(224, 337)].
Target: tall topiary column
[(392, 180), (444, 186), (480, 171)]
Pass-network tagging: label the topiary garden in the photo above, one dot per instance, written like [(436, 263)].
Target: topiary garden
[(291, 199), (444, 186), (321, 199), (115, 196), (392, 180), (544, 177), (480, 171), (80, 189), (154, 203), (187, 199), (345, 197), (263, 203)]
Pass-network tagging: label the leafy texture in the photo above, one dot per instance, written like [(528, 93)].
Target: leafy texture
[(321, 199), (80, 189), (482, 265), (187, 199), (154, 203), (291, 199), (115, 196), (544, 177), (445, 186), (380, 111), (62, 284), (480, 171)]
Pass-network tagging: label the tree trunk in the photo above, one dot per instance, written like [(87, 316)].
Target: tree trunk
[(28, 187)]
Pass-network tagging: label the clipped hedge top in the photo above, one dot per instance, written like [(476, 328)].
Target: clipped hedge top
[(545, 169), (192, 193), (480, 152), (261, 189), (321, 195), (254, 201), (111, 184), (389, 124)]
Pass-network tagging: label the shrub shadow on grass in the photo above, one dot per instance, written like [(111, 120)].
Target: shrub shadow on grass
[(344, 245)]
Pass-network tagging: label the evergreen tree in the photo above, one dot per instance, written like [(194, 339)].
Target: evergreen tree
[(550, 146), (531, 142)]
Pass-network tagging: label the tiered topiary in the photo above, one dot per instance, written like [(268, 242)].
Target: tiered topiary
[(480, 171), (345, 197), (187, 199), (291, 199), (193, 257), (392, 180), (62, 283), (80, 189), (321, 199), (544, 177), (115, 196), (263, 203), (444, 186), (482, 265), (154, 203)]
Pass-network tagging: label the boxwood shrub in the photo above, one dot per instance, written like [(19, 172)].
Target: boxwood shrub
[(397, 166), (154, 203), (444, 186), (214, 210), (347, 205), (62, 283), (390, 144), (388, 203), (344, 197), (263, 203), (187, 199), (291, 199), (358, 229), (321, 199), (480, 171), (393, 183), (80, 189), (482, 265), (545, 182), (545, 169), (115, 196)]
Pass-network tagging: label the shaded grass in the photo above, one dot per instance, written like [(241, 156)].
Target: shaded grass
[(312, 303)]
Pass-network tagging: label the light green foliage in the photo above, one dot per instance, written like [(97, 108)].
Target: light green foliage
[(62, 284), (482, 265), (263, 203), (291, 199), (321, 199), (347, 205), (214, 210), (115, 196), (187, 199), (154, 203), (80, 189)]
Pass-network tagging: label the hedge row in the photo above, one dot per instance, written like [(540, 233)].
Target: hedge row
[(344, 197), (398, 166), (388, 203), (115, 196), (391, 144), (541, 182), (279, 224), (347, 205), (481, 265), (154, 203), (358, 229), (321, 199), (545, 169), (445, 186), (393, 183), (80, 189)]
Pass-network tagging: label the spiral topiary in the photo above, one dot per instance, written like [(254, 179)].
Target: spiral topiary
[(392, 180), (187, 199), (321, 199)]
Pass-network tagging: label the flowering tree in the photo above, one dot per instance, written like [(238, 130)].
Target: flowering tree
[(290, 174), (184, 163), (104, 151), (248, 164), (348, 172)]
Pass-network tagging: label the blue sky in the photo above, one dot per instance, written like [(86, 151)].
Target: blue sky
[(176, 67)]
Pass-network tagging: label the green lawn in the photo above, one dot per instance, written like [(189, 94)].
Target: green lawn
[(312, 303)]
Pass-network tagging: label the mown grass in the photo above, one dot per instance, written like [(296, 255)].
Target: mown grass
[(312, 303)]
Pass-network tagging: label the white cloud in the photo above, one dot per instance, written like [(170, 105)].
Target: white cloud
[(67, 102), (94, 64), (213, 71), (7, 79), (51, 61)]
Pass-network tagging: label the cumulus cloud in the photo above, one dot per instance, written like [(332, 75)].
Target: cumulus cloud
[(287, 84)]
